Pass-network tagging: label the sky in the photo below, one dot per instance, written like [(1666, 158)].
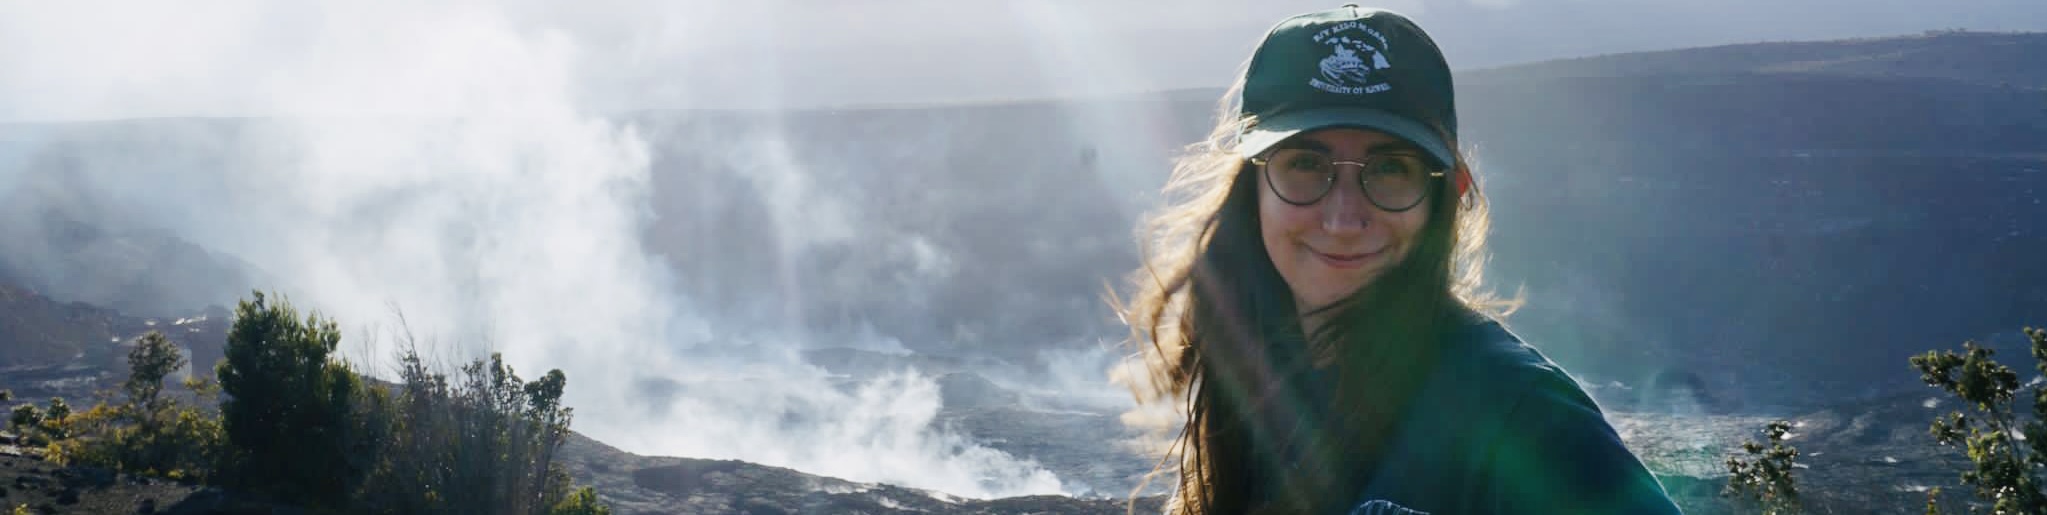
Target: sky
[(99, 60), (457, 160)]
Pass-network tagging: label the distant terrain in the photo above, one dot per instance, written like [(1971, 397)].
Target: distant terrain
[(1709, 238)]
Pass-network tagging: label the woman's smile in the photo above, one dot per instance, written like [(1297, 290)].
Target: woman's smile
[(1345, 261)]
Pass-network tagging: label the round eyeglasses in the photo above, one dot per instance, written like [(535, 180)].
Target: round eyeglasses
[(1393, 182)]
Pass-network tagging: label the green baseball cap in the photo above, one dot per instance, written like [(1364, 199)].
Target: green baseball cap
[(1349, 67)]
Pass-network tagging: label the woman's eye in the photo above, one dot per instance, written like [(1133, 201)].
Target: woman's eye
[(1307, 164), (1396, 165)]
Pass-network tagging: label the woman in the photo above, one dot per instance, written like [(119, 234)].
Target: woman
[(1309, 304)]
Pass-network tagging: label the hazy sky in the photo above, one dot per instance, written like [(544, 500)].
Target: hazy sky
[(86, 59)]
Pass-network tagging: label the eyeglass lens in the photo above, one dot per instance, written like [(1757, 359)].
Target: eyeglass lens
[(1393, 182)]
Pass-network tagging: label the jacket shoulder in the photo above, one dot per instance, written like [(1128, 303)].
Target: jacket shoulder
[(1498, 363), (1551, 449)]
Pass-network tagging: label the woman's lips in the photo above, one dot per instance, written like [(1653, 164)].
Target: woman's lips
[(1345, 261)]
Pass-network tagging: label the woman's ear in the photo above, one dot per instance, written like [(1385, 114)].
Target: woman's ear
[(1462, 177)]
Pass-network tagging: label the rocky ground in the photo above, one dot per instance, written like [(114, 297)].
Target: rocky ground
[(28, 483), (646, 484), (630, 484)]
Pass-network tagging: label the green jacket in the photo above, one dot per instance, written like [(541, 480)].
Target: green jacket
[(1498, 428)]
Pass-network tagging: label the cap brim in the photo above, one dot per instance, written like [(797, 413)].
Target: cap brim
[(1272, 130)]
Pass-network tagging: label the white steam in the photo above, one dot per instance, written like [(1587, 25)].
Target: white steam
[(440, 158)]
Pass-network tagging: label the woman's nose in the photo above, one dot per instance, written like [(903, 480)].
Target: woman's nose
[(1346, 210)]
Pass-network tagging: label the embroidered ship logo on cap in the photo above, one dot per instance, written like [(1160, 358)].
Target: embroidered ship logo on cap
[(1347, 71)]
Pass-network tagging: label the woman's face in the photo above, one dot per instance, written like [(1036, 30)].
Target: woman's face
[(1331, 248)]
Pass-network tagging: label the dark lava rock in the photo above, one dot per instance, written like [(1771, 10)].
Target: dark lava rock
[(88, 477), (31, 482), (215, 501)]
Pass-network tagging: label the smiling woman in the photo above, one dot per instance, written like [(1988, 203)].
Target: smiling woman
[(1310, 304)]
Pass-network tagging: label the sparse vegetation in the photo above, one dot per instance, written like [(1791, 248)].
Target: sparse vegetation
[(148, 433), (481, 441), (38, 426), (298, 426), (2007, 448), (304, 427), (1762, 478)]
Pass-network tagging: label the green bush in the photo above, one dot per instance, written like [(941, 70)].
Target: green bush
[(55, 417), (1761, 478), (153, 359), (148, 433), (581, 502), (481, 441), (39, 426), (299, 426), (290, 412), (2007, 451), (24, 420), (86, 438), (185, 443)]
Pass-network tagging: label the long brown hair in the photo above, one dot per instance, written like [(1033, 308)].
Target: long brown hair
[(1219, 342)]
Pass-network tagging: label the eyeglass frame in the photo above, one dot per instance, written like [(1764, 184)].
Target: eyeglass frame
[(1330, 185)]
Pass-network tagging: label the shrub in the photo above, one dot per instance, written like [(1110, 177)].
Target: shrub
[(581, 502), (300, 426), (37, 426), (482, 442), (149, 433), (290, 410), (54, 418), (25, 419), (2007, 453), (86, 438), (1762, 477)]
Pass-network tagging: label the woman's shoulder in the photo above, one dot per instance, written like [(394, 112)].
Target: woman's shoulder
[(1501, 427), (1525, 434), (1483, 378), (1496, 381), (1484, 351)]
